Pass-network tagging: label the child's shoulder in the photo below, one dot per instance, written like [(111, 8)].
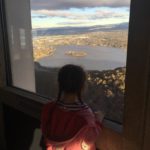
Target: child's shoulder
[(87, 115), (48, 106)]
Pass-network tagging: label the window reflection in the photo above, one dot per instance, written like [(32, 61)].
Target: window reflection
[(20, 44)]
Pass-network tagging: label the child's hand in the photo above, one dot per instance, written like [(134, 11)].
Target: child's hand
[(99, 115)]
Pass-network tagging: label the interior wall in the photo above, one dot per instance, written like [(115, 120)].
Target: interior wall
[(2, 131), (1, 80), (2, 83), (22, 131), (147, 124), (2, 64), (110, 140), (138, 68)]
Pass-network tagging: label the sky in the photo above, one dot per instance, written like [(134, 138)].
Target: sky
[(77, 13)]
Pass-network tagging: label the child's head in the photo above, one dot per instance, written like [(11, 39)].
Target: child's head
[(71, 79)]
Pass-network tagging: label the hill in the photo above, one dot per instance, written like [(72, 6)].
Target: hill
[(77, 30)]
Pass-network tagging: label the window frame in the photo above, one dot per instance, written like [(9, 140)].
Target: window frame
[(24, 93)]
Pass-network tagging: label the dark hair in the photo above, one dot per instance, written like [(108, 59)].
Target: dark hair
[(71, 79)]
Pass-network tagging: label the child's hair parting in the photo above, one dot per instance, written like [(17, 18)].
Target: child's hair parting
[(71, 79)]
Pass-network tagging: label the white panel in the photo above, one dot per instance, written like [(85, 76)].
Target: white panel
[(20, 44)]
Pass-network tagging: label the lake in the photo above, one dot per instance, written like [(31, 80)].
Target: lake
[(97, 58)]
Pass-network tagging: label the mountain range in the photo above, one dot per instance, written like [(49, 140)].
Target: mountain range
[(77, 30)]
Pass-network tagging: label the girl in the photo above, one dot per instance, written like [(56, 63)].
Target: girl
[(68, 123)]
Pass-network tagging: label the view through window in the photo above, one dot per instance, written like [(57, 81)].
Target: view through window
[(45, 35)]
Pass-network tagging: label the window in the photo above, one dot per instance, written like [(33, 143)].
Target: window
[(45, 35)]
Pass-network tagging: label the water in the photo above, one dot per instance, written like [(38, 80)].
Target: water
[(97, 58)]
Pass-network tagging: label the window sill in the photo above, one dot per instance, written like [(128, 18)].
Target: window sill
[(31, 104)]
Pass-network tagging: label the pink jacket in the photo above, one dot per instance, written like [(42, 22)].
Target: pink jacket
[(65, 129)]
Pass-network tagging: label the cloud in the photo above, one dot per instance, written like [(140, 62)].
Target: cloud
[(62, 14), (40, 16), (73, 23), (52, 13), (98, 14), (109, 14), (67, 4)]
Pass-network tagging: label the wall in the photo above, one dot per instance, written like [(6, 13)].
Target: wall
[(22, 131)]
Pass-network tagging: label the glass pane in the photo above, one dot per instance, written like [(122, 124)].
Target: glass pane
[(45, 35), (20, 44)]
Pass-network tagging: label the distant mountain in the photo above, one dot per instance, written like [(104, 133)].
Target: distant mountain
[(77, 30)]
